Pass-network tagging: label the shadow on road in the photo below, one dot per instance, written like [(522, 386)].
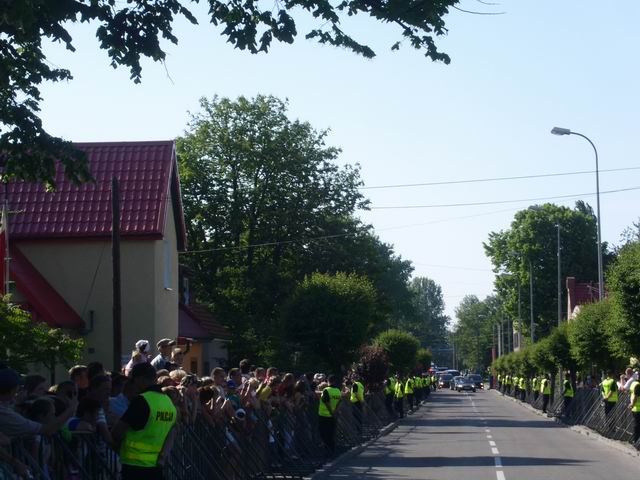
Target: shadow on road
[(392, 461)]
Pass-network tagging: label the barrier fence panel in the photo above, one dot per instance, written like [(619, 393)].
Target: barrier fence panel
[(587, 408)]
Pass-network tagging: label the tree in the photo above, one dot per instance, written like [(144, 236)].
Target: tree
[(266, 206), (428, 321), (401, 347), (473, 333), (624, 286), (28, 343), (372, 366), (423, 359), (133, 30), (530, 245), (326, 320), (589, 337)]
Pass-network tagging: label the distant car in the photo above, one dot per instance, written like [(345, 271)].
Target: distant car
[(477, 380), (444, 380), (455, 373), (464, 384), (452, 383)]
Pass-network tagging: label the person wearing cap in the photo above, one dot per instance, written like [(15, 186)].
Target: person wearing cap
[(164, 356), (144, 431), (140, 354), (12, 424)]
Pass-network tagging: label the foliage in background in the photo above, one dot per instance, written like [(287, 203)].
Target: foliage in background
[(326, 320), (372, 366), (473, 333), (134, 30), (589, 337), (266, 205), (532, 241), (427, 320), (423, 359), (401, 348), (25, 343), (623, 283)]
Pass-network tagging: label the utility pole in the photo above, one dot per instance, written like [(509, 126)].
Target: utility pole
[(500, 338), (115, 258), (533, 336), (559, 278), (510, 337)]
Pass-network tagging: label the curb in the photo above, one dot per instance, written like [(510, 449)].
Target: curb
[(581, 429), (328, 468)]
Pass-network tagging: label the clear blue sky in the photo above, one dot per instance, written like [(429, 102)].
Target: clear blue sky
[(571, 63)]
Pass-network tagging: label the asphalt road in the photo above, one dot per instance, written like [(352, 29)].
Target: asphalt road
[(484, 436)]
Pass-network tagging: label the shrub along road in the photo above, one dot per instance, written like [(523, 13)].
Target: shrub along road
[(485, 436)]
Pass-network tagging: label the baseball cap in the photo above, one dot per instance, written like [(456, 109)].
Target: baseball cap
[(231, 385), (9, 378), (143, 345), (166, 342)]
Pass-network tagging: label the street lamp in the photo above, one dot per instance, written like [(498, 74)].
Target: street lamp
[(566, 131)]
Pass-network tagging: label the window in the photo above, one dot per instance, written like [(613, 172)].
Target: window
[(167, 264)]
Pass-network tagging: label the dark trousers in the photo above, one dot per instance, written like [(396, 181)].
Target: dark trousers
[(545, 402), (357, 416), (400, 407), (327, 428), (388, 402), (523, 395), (130, 472), (636, 427), (410, 400), (567, 403), (535, 395), (608, 406)]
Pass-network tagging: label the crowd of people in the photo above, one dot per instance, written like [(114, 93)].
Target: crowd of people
[(610, 387), (137, 412)]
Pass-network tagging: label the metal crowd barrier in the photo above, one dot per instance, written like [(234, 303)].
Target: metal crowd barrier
[(588, 408), (284, 444)]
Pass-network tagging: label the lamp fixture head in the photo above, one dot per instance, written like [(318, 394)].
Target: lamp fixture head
[(560, 131)]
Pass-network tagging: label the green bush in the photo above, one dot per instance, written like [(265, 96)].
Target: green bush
[(401, 347), (423, 359), (623, 282), (326, 320)]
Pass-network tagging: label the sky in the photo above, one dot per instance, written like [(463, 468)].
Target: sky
[(405, 119)]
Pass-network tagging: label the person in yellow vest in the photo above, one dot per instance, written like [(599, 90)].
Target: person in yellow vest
[(523, 389), (417, 380), (408, 391), (634, 405), (389, 391), (427, 385), (535, 384), (329, 400), (609, 388), (516, 387), (567, 392), (145, 430), (357, 402), (434, 382), (545, 390), (399, 396)]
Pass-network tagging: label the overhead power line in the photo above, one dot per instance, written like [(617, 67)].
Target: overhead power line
[(502, 202), (497, 179)]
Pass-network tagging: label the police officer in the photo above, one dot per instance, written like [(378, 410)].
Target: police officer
[(399, 396), (535, 384), (357, 401), (634, 405), (408, 391), (143, 430), (567, 392), (545, 390), (389, 391), (523, 389), (609, 388), (329, 400)]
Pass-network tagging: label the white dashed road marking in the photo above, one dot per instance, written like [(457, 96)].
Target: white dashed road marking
[(500, 475), (495, 451)]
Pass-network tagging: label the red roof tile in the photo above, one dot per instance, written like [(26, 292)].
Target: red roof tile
[(188, 325), (43, 300), (147, 173)]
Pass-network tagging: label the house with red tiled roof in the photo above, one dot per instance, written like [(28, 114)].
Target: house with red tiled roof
[(579, 294), (60, 253)]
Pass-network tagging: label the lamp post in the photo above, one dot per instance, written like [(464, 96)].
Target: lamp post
[(559, 277), (566, 131)]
